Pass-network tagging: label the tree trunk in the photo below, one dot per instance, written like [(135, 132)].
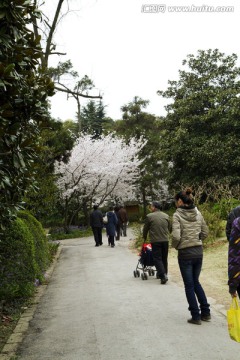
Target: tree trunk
[(86, 213), (79, 115)]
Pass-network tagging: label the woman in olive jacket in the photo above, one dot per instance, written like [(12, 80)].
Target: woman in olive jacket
[(188, 231)]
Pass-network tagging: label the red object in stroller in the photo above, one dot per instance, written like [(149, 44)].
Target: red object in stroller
[(145, 263)]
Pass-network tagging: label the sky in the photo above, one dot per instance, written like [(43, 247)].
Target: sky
[(134, 47)]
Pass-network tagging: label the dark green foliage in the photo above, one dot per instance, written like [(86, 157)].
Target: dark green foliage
[(200, 132), (214, 222), (93, 119), (60, 234), (42, 256), (23, 102), (17, 261), (24, 257), (56, 142), (224, 207)]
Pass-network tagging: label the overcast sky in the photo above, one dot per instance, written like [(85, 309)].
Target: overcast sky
[(129, 50)]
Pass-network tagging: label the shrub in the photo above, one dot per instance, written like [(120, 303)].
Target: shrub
[(18, 267), (224, 207), (214, 222), (42, 254), (138, 237)]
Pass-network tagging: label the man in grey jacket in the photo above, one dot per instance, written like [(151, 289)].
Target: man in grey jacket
[(158, 225)]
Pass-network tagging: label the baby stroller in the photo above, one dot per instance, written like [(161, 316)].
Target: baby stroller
[(145, 263)]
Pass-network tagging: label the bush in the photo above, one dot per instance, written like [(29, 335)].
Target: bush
[(137, 231), (224, 207), (25, 254), (42, 254), (214, 222), (18, 267)]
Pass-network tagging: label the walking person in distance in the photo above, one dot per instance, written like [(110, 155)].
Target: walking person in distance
[(188, 231), (118, 226), (123, 219), (111, 226), (96, 223)]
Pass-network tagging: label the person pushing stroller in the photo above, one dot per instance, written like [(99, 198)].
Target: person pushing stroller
[(158, 225)]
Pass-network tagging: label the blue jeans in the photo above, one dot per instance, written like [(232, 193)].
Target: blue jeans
[(190, 270)]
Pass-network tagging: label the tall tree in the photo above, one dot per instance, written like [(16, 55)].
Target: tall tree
[(200, 139), (93, 118), (137, 123)]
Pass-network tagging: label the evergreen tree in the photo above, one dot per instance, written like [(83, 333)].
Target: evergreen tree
[(200, 137), (92, 119)]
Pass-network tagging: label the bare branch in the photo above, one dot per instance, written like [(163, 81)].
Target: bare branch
[(57, 53), (75, 94), (51, 32)]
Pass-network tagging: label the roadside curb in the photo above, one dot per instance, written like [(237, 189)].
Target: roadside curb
[(15, 339)]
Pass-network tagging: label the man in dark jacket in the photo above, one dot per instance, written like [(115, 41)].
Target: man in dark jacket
[(96, 223), (232, 215), (157, 224), (111, 226), (123, 219)]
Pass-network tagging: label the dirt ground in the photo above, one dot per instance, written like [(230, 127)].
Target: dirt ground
[(214, 272)]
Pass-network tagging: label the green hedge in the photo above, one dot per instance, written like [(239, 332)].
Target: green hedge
[(24, 256), (17, 265), (42, 254)]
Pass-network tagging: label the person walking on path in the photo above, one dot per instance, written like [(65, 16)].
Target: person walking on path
[(189, 229), (234, 259), (158, 225), (231, 216), (96, 223), (118, 226), (111, 226), (123, 218)]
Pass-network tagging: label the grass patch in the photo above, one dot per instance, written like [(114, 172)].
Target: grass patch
[(73, 234)]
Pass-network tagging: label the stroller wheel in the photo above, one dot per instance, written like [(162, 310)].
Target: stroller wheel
[(142, 276), (134, 273), (145, 276), (138, 273)]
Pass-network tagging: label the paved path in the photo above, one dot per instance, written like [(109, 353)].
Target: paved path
[(94, 309)]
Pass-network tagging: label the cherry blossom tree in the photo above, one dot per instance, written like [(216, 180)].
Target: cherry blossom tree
[(97, 171)]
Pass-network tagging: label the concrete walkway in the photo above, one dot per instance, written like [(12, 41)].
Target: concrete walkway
[(94, 309)]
